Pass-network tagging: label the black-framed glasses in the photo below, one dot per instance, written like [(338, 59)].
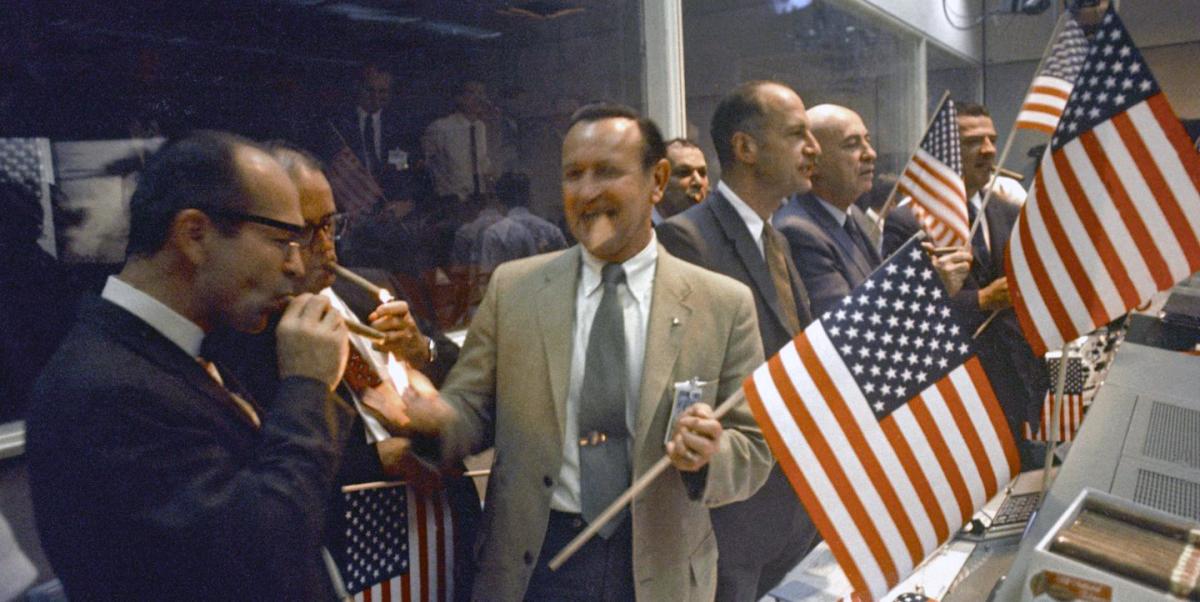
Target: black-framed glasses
[(298, 235), (332, 225)]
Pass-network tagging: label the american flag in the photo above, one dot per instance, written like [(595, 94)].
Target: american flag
[(933, 179), (885, 423), (1114, 211), (1052, 84), (394, 544), (27, 162), (1070, 416), (354, 189)]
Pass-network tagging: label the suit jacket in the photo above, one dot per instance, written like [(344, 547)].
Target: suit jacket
[(823, 251), (510, 389), (1019, 377), (149, 483), (394, 134), (713, 236)]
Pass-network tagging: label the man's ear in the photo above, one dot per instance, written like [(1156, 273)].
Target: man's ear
[(745, 148), (662, 174), (190, 234)]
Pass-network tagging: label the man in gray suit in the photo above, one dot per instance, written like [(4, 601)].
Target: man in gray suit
[(767, 153), (568, 370)]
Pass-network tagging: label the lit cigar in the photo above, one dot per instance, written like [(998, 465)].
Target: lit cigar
[(365, 331), (1009, 173), (367, 285)]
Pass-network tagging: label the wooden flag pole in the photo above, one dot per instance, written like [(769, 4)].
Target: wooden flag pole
[(1012, 132), (891, 199), (638, 486), (1055, 422), (472, 474)]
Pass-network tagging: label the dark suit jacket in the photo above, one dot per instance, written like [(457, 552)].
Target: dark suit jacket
[(393, 134), (149, 483), (1018, 377), (713, 236), (823, 251)]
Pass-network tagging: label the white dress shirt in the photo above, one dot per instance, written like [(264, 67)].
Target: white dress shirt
[(447, 146), (754, 223), (838, 215), (635, 297)]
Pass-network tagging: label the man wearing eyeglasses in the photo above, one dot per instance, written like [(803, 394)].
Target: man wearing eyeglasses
[(154, 474)]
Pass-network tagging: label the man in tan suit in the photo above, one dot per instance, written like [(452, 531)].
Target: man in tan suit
[(532, 377)]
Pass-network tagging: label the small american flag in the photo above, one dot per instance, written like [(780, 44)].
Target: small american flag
[(933, 179), (885, 423), (27, 162), (394, 544), (1114, 211), (1070, 416), (1052, 84), (354, 189)]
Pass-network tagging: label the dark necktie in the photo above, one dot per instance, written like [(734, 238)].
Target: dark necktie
[(369, 155), (604, 469), (474, 160), (860, 241), (983, 255), (774, 251)]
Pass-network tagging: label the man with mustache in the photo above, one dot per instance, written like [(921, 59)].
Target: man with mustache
[(568, 370), (154, 475), (688, 184), (1018, 377), (767, 153)]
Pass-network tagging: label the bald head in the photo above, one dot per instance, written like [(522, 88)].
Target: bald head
[(846, 167)]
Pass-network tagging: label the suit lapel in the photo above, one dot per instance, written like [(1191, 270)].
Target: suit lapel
[(555, 307), (747, 252), (669, 315), (143, 339), (845, 246)]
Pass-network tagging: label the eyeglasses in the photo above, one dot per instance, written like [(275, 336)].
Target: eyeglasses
[(332, 225), (298, 235)]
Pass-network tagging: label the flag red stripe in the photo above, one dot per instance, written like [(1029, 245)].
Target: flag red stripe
[(1126, 208), (919, 481), (427, 571), (934, 200), (1051, 91), (440, 522), (366, 595), (837, 476), (983, 387), (1020, 304), (937, 175), (812, 504), (1065, 248), (1045, 287), (979, 456), (1175, 133), (385, 590), (1033, 125), (1158, 184), (406, 587), (1095, 228), (850, 428), (944, 458), (1037, 107)]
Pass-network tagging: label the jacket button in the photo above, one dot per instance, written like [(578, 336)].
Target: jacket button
[(548, 481), (528, 558)]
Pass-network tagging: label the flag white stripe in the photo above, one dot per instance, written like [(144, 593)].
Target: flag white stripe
[(1127, 251), (1049, 81), (1141, 196), (1056, 271), (1044, 100), (1169, 163), (1038, 117), (1030, 295), (979, 417), (430, 552), (935, 177), (876, 440), (818, 480), (927, 462), (844, 453), (955, 442), (1081, 242)]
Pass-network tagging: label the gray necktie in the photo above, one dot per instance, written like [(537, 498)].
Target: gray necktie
[(604, 471)]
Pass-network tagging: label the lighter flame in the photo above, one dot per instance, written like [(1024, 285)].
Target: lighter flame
[(385, 296)]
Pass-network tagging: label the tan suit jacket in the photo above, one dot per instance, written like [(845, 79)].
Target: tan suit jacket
[(510, 388)]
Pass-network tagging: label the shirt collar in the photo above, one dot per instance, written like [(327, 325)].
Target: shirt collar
[(752, 220), (838, 215), (178, 329), (639, 270), (518, 210)]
